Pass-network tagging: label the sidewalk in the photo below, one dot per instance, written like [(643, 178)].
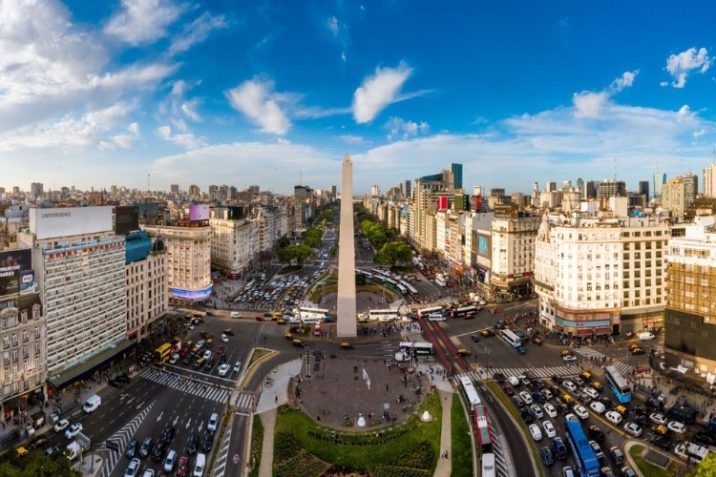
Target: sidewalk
[(276, 394), (268, 419), (444, 467)]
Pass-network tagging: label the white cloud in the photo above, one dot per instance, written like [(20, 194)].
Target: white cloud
[(699, 133), (196, 32), (125, 140), (140, 22), (590, 104), (352, 139), (378, 91), (187, 140), (401, 129), (626, 80), (333, 27), (189, 109), (684, 113), (681, 64), (257, 100)]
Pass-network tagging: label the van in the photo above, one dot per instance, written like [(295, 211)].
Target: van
[(235, 314), (199, 465), (92, 404)]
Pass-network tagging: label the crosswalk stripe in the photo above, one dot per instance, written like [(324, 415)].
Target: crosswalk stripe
[(122, 437), (210, 392)]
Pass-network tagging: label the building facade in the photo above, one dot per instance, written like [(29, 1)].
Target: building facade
[(235, 240), (513, 248)]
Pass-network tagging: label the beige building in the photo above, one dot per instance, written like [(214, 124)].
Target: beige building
[(513, 251), (710, 180), (188, 262), (235, 240), (678, 194)]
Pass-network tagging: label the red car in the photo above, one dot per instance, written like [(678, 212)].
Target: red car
[(508, 389), (183, 468), (259, 318), (220, 350)]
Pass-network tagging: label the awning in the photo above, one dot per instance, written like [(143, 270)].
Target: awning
[(69, 375)]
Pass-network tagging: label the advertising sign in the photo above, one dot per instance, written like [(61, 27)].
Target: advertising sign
[(483, 246), (12, 262), (126, 219), (27, 282), (198, 212), (442, 202), (69, 221)]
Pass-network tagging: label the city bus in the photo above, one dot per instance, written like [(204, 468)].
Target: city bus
[(618, 384), (509, 337), (478, 414), (310, 316), (465, 312), (410, 288), (423, 313), (163, 352), (417, 347), (584, 456), (383, 315)]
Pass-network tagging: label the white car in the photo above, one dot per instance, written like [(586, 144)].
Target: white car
[(536, 411), (174, 359), (224, 369), (73, 430), (613, 417), (207, 354), (569, 358), (645, 336), (550, 410), (213, 422), (597, 407), (514, 381), (591, 392), (633, 429), (581, 411), (569, 385), (549, 429), (132, 468), (61, 425), (237, 366), (526, 397), (224, 338), (149, 473), (536, 432), (657, 418), (676, 426)]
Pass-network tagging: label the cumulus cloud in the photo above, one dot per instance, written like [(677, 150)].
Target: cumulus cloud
[(125, 140), (401, 129), (257, 100), (352, 139), (590, 104), (197, 31), (378, 91), (626, 80), (140, 22), (187, 140), (682, 64)]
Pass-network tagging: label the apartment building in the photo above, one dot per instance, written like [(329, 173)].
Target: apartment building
[(690, 321), (513, 250), (235, 240), (79, 262), (600, 275)]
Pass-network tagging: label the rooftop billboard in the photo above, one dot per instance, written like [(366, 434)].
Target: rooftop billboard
[(126, 219), (198, 212), (12, 263), (66, 222)]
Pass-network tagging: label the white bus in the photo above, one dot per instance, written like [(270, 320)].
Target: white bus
[(417, 347), (509, 337), (465, 312), (488, 465), (469, 391), (383, 315), (691, 452), (310, 316), (427, 311), (440, 280)]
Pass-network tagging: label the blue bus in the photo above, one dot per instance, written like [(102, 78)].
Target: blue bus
[(618, 384), (587, 463)]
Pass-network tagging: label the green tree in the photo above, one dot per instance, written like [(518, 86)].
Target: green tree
[(37, 464), (707, 467), (301, 252), (312, 237), (286, 254), (393, 253)]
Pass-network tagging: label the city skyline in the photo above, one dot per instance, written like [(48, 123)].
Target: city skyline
[(121, 96)]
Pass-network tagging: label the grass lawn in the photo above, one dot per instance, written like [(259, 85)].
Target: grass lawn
[(411, 447), (649, 469), (507, 404), (257, 439), (461, 445)]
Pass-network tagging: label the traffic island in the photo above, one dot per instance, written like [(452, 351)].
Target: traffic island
[(651, 464)]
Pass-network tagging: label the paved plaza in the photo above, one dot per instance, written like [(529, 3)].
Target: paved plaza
[(364, 301), (337, 391)]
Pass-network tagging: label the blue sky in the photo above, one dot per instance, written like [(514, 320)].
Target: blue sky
[(239, 93)]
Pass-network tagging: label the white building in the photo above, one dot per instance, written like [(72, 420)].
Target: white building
[(598, 276), (79, 263), (234, 240), (188, 259), (513, 252)]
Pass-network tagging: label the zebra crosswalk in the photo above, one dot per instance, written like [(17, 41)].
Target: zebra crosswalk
[(208, 391), (537, 372), (121, 439), (222, 455), (589, 353), (245, 402)]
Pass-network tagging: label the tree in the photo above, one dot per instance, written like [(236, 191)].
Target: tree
[(285, 254), (707, 467), (301, 252), (312, 237), (37, 464), (393, 253)]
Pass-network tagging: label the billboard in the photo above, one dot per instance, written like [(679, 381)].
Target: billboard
[(12, 263), (442, 202), (483, 245), (191, 295), (27, 282), (65, 222), (126, 219), (198, 212)]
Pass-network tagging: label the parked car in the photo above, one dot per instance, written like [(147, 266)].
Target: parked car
[(613, 417), (61, 425), (677, 427), (657, 418), (549, 429), (581, 411), (536, 432)]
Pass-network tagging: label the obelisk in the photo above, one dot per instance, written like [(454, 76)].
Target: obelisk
[(346, 308)]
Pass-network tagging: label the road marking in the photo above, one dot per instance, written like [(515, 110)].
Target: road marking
[(188, 423), (159, 417)]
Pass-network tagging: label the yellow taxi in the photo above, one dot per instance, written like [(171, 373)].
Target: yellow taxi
[(346, 345)]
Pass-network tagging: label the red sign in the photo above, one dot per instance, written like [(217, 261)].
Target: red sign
[(442, 202)]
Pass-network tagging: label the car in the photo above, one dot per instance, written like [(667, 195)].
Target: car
[(224, 338), (546, 454), (149, 473), (518, 401), (677, 427), (514, 381), (131, 449), (499, 377), (637, 350), (168, 434), (597, 407), (192, 444), (487, 333), (581, 411), (183, 467), (175, 358), (525, 380), (597, 386), (606, 471), (509, 390), (61, 425), (133, 468), (657, 418), (170, 461), (550, 410), (525, 396), (207, 354), (633, 429), (538, 340), (617, 455), (158, 452), (570, 358), (207, 442), (613, 417), (224, 369), (213, 422), (526, 416), (597, 450), (569, 385), (539, 397), (578, 381), (536, 411), (567, 471), (73, 430), (237, 366), (591, 392), (549, 429), (627, 471), (228, 332), (536, 432), (521, 349), (595, 433), (145, 448), (661, 441), (705, 439)]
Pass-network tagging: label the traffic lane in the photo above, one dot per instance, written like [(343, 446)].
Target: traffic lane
[(236, 455), (494, 352)]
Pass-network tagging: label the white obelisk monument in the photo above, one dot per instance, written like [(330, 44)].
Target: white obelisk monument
[(346, 309)]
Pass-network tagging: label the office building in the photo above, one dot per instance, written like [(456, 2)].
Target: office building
[(513, 247), (79, 261), (235, 240), (610, 188), (456, 170), (374, 190), (174, 189), (408, 188), (659, 181), (194, 191), (644, 189), (710, 180)]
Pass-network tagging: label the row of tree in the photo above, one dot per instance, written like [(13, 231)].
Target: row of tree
[(300, 252), (389, 250), (36, 464)]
